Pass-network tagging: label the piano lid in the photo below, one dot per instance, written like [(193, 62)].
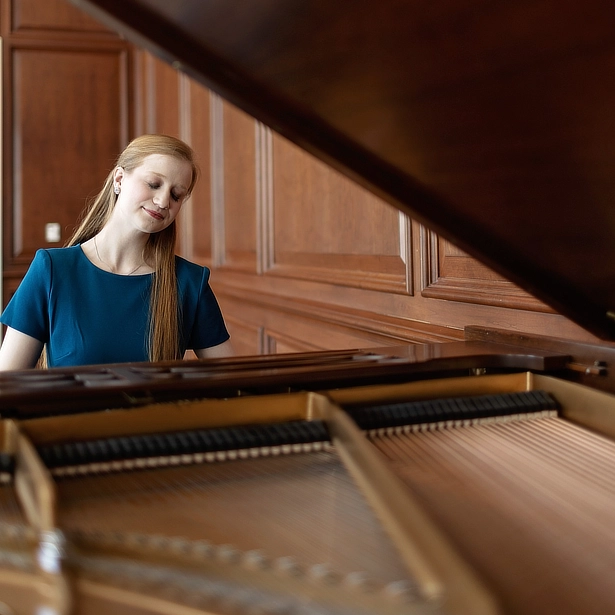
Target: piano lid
[(491, 122)]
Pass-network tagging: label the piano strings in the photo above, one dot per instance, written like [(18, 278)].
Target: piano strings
[(528, 503), (503, 473)]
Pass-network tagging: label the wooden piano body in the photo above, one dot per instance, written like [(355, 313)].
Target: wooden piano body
[(508, 511), (498, 136)]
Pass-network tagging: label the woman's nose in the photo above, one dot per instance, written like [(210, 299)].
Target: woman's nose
[(162, 201)]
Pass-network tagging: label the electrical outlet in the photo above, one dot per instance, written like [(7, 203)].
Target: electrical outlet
[(52, 232)]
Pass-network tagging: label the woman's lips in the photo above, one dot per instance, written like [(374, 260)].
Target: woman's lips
[(154, 214)]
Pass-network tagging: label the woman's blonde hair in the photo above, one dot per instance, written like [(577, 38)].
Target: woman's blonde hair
[(164, 316)]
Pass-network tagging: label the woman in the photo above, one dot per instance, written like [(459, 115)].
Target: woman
[(117, 292)]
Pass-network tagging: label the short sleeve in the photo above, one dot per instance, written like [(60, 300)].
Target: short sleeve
[(28, 309), (208, 327)]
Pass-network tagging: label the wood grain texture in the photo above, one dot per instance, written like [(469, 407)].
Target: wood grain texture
[(66, 114)]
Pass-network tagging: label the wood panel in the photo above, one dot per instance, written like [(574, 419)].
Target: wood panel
[(158, 90), (170, 103), (51, 15), (237, 225), (247, 337), (449, 273), (196, 214), (67, 109), (323, 227)]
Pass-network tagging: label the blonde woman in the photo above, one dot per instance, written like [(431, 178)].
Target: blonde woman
[(117, 292)]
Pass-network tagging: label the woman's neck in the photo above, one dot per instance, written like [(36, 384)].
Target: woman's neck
[(120, 255)]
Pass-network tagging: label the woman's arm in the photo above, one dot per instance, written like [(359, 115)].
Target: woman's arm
[(225, 349), (19, 351)]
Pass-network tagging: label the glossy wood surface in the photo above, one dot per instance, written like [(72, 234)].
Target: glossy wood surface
[(490, 122), (67, 390)]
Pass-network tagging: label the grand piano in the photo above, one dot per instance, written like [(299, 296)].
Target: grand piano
[(470, 478)]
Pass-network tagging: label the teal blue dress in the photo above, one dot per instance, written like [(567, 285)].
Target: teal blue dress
[(88, 316)]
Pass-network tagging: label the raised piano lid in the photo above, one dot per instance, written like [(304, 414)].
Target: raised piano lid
[(490, 122)]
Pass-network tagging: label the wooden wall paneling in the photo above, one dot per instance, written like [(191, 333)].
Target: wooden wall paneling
[(328, 228), (310, 222), (52, 16), (157, 95), (319, 325), (164, 101), (166, 97), (66, 113), (237, 227), (158, 89), (302, 258), (69, 114), (195, 221), (278, 342), (310, 331), (139, 89), (449, 273), (247, 337)]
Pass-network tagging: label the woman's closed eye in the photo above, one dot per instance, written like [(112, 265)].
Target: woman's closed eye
[(174, 196)]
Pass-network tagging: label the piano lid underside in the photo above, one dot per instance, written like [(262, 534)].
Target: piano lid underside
[(491, 123)]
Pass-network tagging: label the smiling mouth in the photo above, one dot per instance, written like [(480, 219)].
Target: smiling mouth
[(154, 214)]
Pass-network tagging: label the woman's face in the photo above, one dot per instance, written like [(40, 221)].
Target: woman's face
[(152, 194)]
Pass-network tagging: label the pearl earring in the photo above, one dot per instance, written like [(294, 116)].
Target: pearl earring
[(116, 189)]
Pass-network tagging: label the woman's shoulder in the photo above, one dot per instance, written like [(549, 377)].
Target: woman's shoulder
[(187, 270), (60, 255), (56, 257)]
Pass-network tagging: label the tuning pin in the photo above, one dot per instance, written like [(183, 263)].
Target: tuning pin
[(203, 549), (157, 542), (359, 580), (255, 560), (227, 553), (323, 573), (288, 565), (401, 591)]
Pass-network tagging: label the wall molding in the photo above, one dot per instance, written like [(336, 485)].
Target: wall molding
[(372, 326), (480, 291)]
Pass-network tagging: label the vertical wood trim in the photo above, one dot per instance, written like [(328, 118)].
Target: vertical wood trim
[(218, 231), (185, 108), (125, 124), (264, 198), (263, 341), (17, 161), (186, 235), (405, 249), (429, 257), (138, 84), (150, 94)]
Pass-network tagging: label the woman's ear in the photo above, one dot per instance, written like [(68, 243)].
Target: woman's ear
[(118, 174)]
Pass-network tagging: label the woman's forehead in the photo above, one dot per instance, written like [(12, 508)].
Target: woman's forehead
[(169, 167)]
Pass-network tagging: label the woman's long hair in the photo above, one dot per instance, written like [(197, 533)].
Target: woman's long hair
[(163, 337)]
